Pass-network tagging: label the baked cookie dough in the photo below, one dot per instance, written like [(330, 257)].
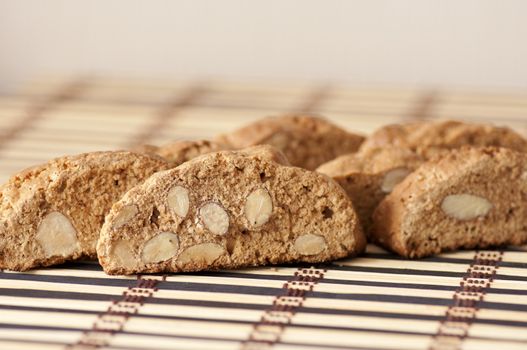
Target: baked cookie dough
[(470, 198), (307, 141), (53, 213), (229, 209), (179, 152), (394, 151), (427, 138), (368, 176)]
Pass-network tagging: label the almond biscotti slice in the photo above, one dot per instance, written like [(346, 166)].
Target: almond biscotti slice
[(53, 213), (470, 198), (428, 137), (225, 210), (392, 152), (178, 152), (368, 176), (307, 141)]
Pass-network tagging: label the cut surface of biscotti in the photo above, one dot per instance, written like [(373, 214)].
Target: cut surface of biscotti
[(178, 152), (225, 210), (368, 176), (53, 213), (428, 137), (470, 198), (307, 141)]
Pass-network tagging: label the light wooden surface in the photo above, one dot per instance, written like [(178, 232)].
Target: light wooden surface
[(461, 300)]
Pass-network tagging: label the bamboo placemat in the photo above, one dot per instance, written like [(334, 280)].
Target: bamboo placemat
[(462, 300)]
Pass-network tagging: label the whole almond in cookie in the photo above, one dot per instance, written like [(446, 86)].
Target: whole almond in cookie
[(307, 141), (429, 137), (53, 213), (230, 209), (470, 198), (179, 152), (368, 176)]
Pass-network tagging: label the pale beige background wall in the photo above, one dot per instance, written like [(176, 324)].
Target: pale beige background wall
[(478, 42)]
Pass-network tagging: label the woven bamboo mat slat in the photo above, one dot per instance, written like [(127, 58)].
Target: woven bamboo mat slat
[(459, 300)]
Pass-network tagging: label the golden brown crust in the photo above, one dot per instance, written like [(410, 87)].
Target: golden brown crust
[(299, 203), (428, 137), (179, 152), (81, 188), (307, 141), (416, 220), (373, 160), (391, 135)]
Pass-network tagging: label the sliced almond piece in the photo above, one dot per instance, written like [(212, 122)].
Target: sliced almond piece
[(310, 244), (178, 200), (123, 254), (392, 178), (56, 235), (160, 248), (258, 207), (465, 206), (125, 215), (215, 218), (201, 254)]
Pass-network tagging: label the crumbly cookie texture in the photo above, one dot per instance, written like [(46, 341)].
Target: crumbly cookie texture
[(229, 209), (53, 213), (394, 151), (179, 152), (470, 198), (429, 138), (307, 141), (368, 176)]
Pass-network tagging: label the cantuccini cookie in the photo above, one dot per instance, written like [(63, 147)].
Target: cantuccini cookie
[(229, 209), (179, 152), (392, 152), (307, 141), (428, 137), (470, 198), (368, 176), (53, 213)]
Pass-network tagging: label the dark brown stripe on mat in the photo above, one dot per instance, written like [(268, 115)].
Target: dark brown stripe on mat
[(35, 111), (423, 107), (163, 116), (314, 99), (454, 327), (269, 329), (115, 317)]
